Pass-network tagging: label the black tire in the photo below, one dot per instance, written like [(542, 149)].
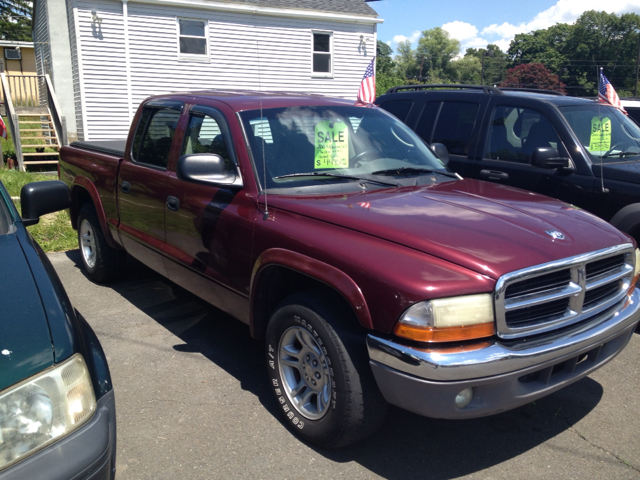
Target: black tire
[(101, 262), (308, 345)]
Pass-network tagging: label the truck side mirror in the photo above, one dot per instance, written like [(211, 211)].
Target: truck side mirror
[(40, 198), (441, 151), (549, 158), (206, 168)]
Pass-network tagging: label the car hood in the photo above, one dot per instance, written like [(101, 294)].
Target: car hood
[(491, 229), (25, 339)]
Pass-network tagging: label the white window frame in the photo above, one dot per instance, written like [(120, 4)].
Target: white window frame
[(331, 54), (191, 57)]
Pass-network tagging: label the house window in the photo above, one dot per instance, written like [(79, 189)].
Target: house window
[(192, 36), (322, 53)]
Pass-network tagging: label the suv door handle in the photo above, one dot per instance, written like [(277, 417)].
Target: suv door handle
[(494, 174), (125, 187), (173, 203)]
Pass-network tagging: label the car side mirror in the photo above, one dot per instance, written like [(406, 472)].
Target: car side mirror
[(549, 158), (441, 151), (40, 198), (206, 168)]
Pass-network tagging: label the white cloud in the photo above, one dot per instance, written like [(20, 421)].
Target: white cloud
[(401, 38), (565, 11)]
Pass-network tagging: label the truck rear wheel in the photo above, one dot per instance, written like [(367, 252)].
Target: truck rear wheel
[(320, 375), (101, 262)]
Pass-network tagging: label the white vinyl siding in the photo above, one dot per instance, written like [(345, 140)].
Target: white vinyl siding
[(246, 52)]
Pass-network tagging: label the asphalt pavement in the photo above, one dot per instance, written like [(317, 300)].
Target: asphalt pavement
[(193, 403)]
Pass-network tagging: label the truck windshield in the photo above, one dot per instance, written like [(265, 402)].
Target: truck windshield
[(330, 142), (606, 133)]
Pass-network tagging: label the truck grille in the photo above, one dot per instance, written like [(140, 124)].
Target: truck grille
[(557, 294)]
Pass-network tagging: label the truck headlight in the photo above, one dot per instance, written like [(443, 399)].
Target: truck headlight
[(448, 319), (44, 408)]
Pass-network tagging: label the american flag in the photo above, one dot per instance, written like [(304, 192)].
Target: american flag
[(3, 129), (367, 92), (607, 94)]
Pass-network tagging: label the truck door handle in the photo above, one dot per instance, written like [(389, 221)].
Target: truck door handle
[(125, 187), (494, 174), (173, 203)]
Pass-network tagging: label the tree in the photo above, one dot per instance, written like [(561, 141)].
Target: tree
[(574, 52), (15, 20), (467, 70), (406, 64), (533, 75), (434, 54), (386, 69), (495, 63)]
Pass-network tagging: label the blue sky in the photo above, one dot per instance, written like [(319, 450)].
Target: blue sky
[(477, 23)]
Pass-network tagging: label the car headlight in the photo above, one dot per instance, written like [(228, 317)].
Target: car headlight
[(448, 319), (44, 408)]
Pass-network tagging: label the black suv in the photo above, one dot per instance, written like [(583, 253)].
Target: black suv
[(580, 151)]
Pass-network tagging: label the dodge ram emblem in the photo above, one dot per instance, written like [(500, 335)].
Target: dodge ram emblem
[(556, 235)]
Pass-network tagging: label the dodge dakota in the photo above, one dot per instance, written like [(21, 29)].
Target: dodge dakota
[(373, 273)]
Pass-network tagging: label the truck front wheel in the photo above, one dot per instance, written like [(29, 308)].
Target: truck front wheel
[(101, 262), (321, 379)]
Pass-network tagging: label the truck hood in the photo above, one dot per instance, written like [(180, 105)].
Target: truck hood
[(628, 172), (25, 339), (488, 228)]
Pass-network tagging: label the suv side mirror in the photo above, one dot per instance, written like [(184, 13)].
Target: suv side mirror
[(40, 198), (441, 152), (547, 157), (206, 168)]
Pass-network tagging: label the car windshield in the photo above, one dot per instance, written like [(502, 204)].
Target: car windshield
[(338, 146), (605, 132)]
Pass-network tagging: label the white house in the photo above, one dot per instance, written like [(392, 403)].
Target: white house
[(106, 56)]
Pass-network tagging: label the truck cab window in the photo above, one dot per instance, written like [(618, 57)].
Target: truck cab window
[(154, 136), (205, 136)]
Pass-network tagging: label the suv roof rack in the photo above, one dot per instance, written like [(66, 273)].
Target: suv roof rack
[(532, 90), (484, 88)]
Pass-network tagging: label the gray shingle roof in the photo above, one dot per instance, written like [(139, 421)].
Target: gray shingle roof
[(352, 7)]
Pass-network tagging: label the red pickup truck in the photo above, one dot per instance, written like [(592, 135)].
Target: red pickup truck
[(373, 273)]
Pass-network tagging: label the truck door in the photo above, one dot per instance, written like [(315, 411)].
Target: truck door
[(209, 226), (142, 182)]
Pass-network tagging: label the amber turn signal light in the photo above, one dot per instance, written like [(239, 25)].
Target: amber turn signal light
[(444, 334)]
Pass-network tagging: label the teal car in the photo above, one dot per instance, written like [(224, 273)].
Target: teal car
[(57, 406)]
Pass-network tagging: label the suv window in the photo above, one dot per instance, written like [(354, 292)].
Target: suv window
[(154, 135), (399, 108), (454, 122), (514, 133)]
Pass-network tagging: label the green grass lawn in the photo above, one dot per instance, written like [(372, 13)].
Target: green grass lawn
[(53, 232)]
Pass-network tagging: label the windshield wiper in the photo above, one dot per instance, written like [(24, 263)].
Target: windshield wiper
[(337, 175), (619, 154), (415, 171)]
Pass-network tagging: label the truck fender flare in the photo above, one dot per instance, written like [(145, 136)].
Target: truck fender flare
[(90, 188), (323, 272), (627, 219)]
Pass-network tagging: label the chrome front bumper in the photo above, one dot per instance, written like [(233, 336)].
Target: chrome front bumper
[(503, 374)]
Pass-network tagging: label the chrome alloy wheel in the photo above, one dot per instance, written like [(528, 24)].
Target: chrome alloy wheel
[(88, 243), (305, 373)]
